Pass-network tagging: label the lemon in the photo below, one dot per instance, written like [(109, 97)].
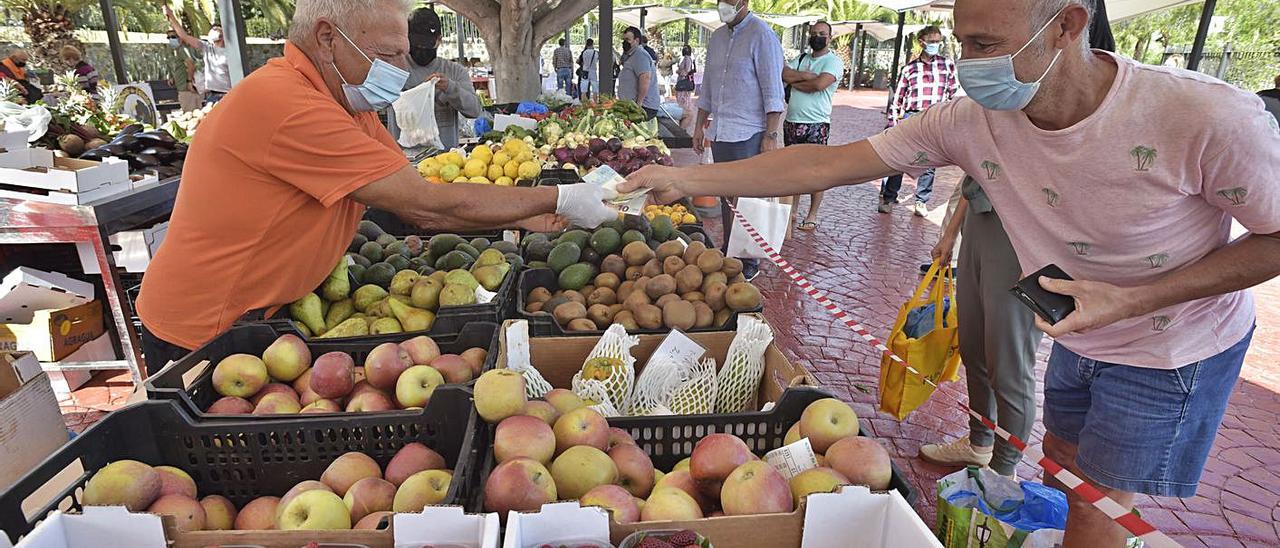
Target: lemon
[(504, 181), (479, 180), (426, 169), (511, 169), (460, 179), (500, 158), (482, 152), (524, 156), (495, 171), (450, 172), (452, 158), (529, 170), (475, 168), (514, 147), (688, 219)]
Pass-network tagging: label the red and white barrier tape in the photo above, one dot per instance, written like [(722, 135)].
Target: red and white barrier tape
[(1129, 520)]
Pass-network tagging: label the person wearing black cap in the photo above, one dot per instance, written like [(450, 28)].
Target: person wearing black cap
[(454, 93)]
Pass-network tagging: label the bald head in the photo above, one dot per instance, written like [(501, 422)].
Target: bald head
[(353, 13)]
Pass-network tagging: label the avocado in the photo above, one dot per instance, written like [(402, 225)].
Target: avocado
[(615, 224), (662, 228), (632, 236), (505, 247), (514, 260), (480, 243), (398, 261), (441, 244), (379, 274), (385, 240), (539, 250), (372, 251), (606, 241), (469, 250), (398, 248), (590, 256), (563, 255), (698, 237), (532, 237), (453, 260), (577, 236), (360, 260), (640, 223), (370, 230), (357, 241), (576, 276), (536, 264), (424, 270), (357, 272)]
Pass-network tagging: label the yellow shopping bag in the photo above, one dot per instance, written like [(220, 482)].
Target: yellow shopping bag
[(935, 353)]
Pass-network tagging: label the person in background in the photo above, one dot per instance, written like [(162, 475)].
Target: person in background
[(588, 71), (14, 67), (741, 96), (637, 79), (86, 76), (454, 93), (927, 80), (685, 83), (1271, 99), (217, 74), (644, 43), (812, 78), (562, 61), (182, 68)]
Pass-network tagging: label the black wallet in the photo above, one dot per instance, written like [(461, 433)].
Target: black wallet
[(1052, 307)]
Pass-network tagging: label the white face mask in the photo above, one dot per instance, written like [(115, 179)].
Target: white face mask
[(727, 12)]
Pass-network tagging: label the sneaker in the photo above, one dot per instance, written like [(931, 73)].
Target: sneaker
[(750, 270), (885, 207), (956, 453), (920, 209)]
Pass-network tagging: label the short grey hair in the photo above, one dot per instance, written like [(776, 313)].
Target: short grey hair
[(308, 12), (1044, 10)]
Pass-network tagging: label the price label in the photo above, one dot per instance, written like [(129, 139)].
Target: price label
[(484, 296), (790, 460), (678, 348), (518, 346)]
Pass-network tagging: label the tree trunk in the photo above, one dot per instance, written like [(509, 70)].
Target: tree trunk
[(49, 30), (1140, 49)]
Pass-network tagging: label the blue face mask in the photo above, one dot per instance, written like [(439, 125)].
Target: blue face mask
[(381, 87), (992, 83), (933, 48)]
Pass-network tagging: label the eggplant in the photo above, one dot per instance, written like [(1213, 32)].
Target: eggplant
[(147, 160), (114, 149), (94, 155), (166, 172), (159, 136), (131, 129)]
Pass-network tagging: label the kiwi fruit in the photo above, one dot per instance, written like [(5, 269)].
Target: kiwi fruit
[(692, 252), (609, 280), (714, 295), (671, 248), (551, 304), (647, 316), (722, 318), (642, 284), (586, 290), (615, 265), (713, 277), (660, 285), (688, 279), (742, 296), (711, 260), (625, 289), (678, 314), (539, 295), (635, 300), (633, 273), (602, 295), (652, 268), (637, 253), (702, 315), (614, 309), (663, 300), (534, 307), (693, 296), (581, 324), (575, 297), (671, 265), (627, 320), (737, 279), (568, 312), (600, 316), (732, 267)]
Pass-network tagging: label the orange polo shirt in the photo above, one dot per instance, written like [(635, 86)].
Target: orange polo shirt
[(263, 212)]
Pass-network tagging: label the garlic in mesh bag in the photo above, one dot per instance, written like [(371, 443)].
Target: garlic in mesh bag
[(517, 345), (695, 394), (739, 380), (610, 364)]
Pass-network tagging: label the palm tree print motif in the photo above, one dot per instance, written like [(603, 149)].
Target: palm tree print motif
[(993, 169), (1144, 156), (1082, 248), (1051, 197), (1160, 323), (1158, 260), (1235, 195), (922, 158)]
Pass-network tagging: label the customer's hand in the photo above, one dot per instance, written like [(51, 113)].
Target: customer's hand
[(583, 204), (1098, 304), (661, 179), (442, 81), (944, 249), (698, 144)]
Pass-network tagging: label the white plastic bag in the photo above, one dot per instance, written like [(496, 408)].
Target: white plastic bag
[(739, 379), (416, 117), (769, 217), (33, 119)]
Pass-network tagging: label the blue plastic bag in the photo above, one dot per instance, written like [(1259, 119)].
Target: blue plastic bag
[(482, 126), (1038, 507), (529, 107), (920, 319)]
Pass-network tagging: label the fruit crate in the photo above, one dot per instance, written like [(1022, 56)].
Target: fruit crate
[(669, 439), (245, 459), (393, 225), (555, 177), (542, 324), (197, 394)]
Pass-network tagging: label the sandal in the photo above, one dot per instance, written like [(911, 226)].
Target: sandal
[(808, 226)]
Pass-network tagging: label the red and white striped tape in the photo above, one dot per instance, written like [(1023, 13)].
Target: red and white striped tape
[(1129, 520)]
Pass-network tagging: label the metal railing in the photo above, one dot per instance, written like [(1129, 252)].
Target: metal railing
[(1248, 70)]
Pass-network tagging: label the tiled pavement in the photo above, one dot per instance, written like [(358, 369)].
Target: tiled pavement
[(868, 264)]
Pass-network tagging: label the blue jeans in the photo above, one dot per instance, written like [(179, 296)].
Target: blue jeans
[(564, 79), (732, 152), (1138, 429), (893, 184)]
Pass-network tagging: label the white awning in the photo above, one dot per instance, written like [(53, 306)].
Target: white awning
[(841, 28), (788, 21), (1120, 10), (657, 15)]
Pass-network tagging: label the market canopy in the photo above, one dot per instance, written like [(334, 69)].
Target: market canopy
[(1119, 10), (707, 19), (841, 28), (653, 16)]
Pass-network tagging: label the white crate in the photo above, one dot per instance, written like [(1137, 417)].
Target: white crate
[(11, 141), (137, 247), (39, 168)]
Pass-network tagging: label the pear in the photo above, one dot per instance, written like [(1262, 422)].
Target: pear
[(353, 327), (308, 311), (488, 257), (491, 276), (367, 296), (338, 285), (338, 313), (402, 282), (426, 293), (411, 319), (461, 277), (383, 326)]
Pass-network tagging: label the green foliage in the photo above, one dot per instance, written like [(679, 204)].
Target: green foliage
[(1249, 27)]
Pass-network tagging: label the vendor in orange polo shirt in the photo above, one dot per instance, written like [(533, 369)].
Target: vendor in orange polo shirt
[(280, 173)]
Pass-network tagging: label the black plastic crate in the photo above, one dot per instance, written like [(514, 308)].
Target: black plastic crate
[(242, 460), (254, 339), (554, 177), (668, 439), (542, 324), (393, 225)]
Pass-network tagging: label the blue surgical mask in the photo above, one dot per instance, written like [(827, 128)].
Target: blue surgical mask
[(992, 83), (173, 43), (381, 87), (933, 48)]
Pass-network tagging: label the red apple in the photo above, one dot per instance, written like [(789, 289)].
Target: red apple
[(273, 388), (455, 369), (827, 421), (347, 469), (714, 458), (543, 410), (187, 512), (258, 515), (863, 460), (524, 436), (385, 364), (287, 358), (322, 406), (333, 375), (522, 485), (617, 501), (682, 480), (618, 436), (582, 426), (370, 401), (240, 375), (635, 469), (755, 487), (277, 403), (475, 357), (411, 459), (422, 350), (230, 405), (174, 481), (219, 513)]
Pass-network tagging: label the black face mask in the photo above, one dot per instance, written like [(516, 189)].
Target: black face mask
[(818, 43), (19, 64), (626, 46), (422, 56)]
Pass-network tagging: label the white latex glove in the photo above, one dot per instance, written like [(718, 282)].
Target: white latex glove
[(583, 204)]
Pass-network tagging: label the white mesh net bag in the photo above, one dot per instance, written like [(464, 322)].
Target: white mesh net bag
[(739, 380), (517, 341), (695, 394), (611, 365), (596, 391), (659, 378)]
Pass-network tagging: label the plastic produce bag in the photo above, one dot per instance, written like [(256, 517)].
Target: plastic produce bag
[(934, 351), (674, 381), (34, 119), (739, 380), (769, 217), (615, 344), (978, 507), (416, 116), (529, 107)]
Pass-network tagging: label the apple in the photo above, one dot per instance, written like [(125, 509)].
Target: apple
[(580, 469), (635, 469), (385, 364), (231, 405), (863, 460), (421, 490), (187, 512), (416, 385), (322, 406), (822, 459), (240, 375), (670, 504), (455, 369), (357, 374), (374, 521), (276, 403), (582, 426), (315, 510), (793, 435), (287, 358), (333, 375), (475, 357), (618, 436), (258, 515), (363, 386), (308, 397), (127, 483), (815, 480), (369, 495), (541, 409), (827, 421), (682, 480), (499, 394), (563, 400), (347, 469), (411, 459), (524, 436), (521, 485), (422, 350), (370, 401), (620, 504), (273, 388), (682, 465), (639, 503), (657, 476), (302, 384), (755, 487), (219, 513), (293, 492), (715, 457), (173, 481)]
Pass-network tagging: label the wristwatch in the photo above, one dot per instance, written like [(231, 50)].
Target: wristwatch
[(773, 135)]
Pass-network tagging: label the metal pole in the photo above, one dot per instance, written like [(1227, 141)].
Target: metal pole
[(606, 47), (1202, 33), (853, 59), (643, 13), (113, 41), (232, 19), (897, 54), (686, 31), (460, 25)]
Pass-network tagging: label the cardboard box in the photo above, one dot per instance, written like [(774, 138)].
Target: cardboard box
[(26, 290), (31, 426), (53, 335), (39, 168), (560, 523), (12, 141), (115, 527), (133, 249)]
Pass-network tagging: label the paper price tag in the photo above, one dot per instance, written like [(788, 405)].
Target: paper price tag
[(790, 460), (678, 348), (484, 296), (518, 345), (512, 236)]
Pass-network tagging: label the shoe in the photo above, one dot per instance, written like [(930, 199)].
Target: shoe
[(956, 453), (750, 270), (885, 206), (920, 209)]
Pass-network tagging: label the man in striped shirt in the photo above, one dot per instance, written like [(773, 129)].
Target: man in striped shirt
[(926, 81)]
